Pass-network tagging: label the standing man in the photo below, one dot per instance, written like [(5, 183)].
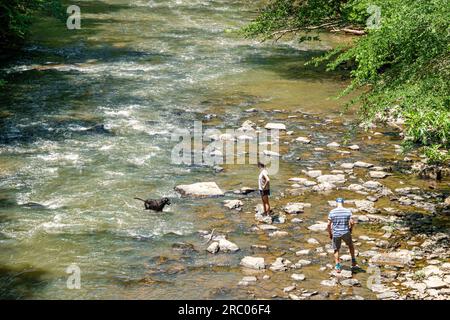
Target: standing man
[(264, 187), (340, 224)]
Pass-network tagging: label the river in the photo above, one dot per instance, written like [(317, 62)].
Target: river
[(143, 69)]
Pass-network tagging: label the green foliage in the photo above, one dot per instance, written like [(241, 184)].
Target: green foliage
[(16, 17), (435, 155), (403, 66)]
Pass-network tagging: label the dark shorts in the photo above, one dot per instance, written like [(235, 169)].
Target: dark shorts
[(336, 242), (264, 192)]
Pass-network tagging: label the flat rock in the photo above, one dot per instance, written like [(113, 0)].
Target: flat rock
[(303, 140), (298, 276), (256, 263), (296, 207), (333, 145), (267, 227), (302, 252), (200, 190), (323, 187), (331, 178), (275, 126), (396, 258), (347, 165), (233, 204), (313, 173), (353, 147), (280, 264), (434, 282), (378, 174), (278, 234), (361, 164), (312, 241), (350, 282), (318, 227), (329, 283)]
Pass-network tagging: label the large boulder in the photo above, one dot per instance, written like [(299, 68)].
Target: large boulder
[(200, 190), (256, 263)]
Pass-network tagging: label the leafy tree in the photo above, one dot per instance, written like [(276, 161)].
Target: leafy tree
[(403, 65), (16, 17)]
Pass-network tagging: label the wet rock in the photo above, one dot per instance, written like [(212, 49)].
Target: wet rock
[(313, 173), (302, 262), (296, 207), (399, 258), (434, 282), (372, 185), (290, 288), (333, 145), (200, 189), (298, 277), (350, 282), (275, 126), (322, 187), (227, 246), (312, 241), (267, 227), (296, 220), (365, 205), (331, 178), (302, 252), (378, 174), (247, 190), (329, 283), (256, 263), (318, 227), (347, 165), (213, 247), (361, 164), (98, 129), (303, 140), (233, 204), (259, 247), (353, 147), (278, 234), (280, 264), (387, 295)]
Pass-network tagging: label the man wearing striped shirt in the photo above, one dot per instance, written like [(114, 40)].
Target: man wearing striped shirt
[(340, 224)]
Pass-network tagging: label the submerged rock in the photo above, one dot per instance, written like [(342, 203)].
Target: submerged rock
[(233, 204)]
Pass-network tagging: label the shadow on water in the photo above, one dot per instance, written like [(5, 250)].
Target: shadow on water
[(21, 282)]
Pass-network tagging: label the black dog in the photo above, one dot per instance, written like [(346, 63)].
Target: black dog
[(156, 205)]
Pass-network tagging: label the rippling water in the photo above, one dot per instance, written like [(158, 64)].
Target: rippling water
[(141, 69)]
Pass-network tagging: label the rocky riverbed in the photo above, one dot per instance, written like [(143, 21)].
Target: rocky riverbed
[(402, 236)]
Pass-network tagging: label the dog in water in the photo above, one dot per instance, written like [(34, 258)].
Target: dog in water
[(155, 205)]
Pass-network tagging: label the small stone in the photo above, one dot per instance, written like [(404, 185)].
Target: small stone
[(353, 147), (329, 283), (313, 241), (303, 252), (347, 165), (290, 288), (233, 204), (296, 220), (303, 140), (280, 264), (275, 126), (361, 164), (278, 234), (313, 173), (378, 174), (333, 145), (298, 277), (350, 282)]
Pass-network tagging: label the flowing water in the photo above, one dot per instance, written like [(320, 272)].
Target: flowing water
[(143, 69)]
